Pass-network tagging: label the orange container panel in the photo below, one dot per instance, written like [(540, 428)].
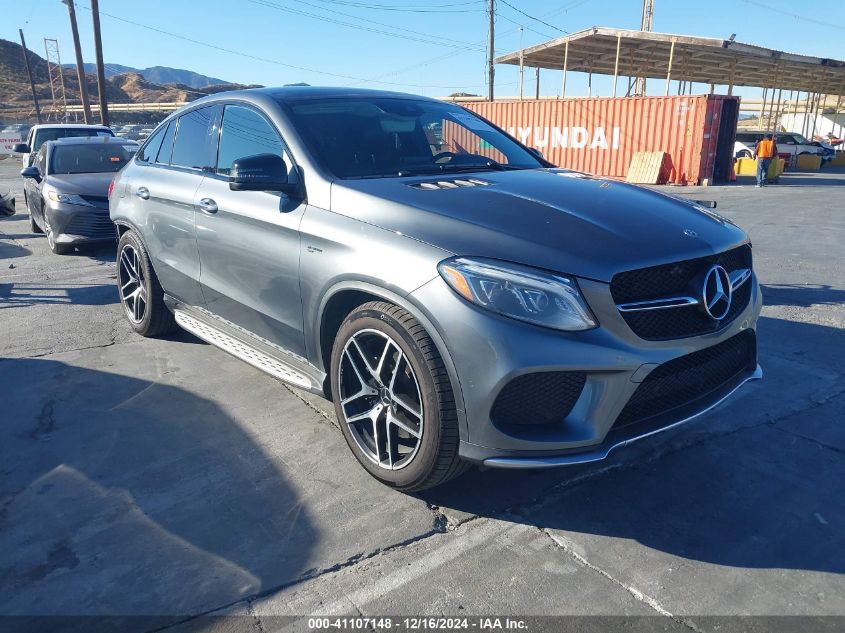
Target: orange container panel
[(601, 135)]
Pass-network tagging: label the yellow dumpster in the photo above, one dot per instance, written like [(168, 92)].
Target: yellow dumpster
[(808, 161), (776, 169), (745, 167), (838, 159), (748, 167)]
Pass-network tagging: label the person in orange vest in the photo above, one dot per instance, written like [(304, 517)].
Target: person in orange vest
[(765, 151)]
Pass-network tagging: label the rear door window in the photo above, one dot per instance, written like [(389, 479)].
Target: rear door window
[(191, 146)]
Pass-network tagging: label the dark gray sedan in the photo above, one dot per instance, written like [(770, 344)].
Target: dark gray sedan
[(66, 189)]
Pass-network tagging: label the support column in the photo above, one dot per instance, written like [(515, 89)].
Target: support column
[(565, 67), (669, 70), (616, 64)]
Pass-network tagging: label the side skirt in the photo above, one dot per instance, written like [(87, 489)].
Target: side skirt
[(249, 348)]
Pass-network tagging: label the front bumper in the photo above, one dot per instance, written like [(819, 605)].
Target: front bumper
[(488, 352), (76, 224)]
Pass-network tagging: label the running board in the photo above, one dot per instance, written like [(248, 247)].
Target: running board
[(241, 350)]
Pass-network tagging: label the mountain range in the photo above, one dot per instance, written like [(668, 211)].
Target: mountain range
[(160, 75), (123, 84)]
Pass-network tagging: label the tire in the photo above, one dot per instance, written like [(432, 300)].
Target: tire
[(149, 317), (33, 225), (381, 330), (55, 247)]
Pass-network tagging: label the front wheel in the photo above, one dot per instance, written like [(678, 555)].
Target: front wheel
[(140, 292), (56, 247), (394, 400)]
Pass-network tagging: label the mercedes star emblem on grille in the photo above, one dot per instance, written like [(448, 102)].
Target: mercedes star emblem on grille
[(716, 293)]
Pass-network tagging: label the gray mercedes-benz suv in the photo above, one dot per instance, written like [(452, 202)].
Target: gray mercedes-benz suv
[(457, 298)]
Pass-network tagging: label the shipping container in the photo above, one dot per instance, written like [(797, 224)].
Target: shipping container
[(601, 135)]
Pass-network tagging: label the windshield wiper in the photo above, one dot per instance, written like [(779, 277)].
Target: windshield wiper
[(490, 164)]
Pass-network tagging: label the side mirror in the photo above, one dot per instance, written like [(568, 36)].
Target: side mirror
[(262, 172), (536, 153), (21, 148), (31, 172)]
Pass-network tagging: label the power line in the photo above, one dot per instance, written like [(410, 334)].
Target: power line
[(441, 8), (527, 28), (506, 3), (794, 15), (425, 38), (268, 60)]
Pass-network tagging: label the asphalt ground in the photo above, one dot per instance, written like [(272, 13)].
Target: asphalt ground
[(157, 481)]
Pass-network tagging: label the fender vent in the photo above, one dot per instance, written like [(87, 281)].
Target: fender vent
[(431, 185)]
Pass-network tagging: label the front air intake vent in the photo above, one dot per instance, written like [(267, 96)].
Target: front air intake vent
[(432, 185), (542, 398)]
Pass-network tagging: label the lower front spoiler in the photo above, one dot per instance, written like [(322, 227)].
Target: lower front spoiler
[(621, 438)]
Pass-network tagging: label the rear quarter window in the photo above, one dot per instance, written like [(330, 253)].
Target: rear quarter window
[(191, 146), (150, 149)]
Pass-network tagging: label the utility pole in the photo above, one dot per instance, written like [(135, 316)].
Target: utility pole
[(80, 68), (29, 72), (101, 75), (491, 14), (645, 25)]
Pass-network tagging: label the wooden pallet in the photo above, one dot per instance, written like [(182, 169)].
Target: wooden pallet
[(649, 168)]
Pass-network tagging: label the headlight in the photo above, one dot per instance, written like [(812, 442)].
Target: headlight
[(68, 198), (519, 292)]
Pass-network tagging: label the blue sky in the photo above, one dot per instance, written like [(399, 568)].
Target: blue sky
[(434, 47)]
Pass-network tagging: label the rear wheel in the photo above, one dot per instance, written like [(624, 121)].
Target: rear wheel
[(394, 400), (140, 292)]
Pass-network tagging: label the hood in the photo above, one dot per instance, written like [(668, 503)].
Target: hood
[(82, 184), (552, 219)]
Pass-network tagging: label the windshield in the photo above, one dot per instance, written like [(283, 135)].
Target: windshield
[(368, 137), (53, 134), (89, 159)]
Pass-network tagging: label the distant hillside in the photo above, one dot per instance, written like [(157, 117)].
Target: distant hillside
[(157, 75), (128, 87)]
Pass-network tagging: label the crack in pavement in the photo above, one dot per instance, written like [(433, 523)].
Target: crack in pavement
[(812, 440), (638, 595), (329, 419)]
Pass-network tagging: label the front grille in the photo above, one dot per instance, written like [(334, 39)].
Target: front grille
[(93, 224), (682, 278), (690, 378), (98, 201), (538, 398)]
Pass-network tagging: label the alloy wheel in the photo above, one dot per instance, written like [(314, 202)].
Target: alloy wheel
[(381, 399), (133, 291)]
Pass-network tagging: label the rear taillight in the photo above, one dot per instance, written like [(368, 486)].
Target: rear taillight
[(111, 188)]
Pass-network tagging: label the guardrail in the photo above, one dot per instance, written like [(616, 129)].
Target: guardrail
[(131, 107)]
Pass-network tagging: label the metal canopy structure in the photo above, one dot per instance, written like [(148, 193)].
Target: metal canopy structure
[(668, 56)]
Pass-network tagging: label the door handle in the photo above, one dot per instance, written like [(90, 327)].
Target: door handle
[(207, 205), (143, 193)]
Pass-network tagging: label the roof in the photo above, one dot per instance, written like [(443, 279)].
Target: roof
[(698, 59), (294, 93), (43, 126), (93, 140)]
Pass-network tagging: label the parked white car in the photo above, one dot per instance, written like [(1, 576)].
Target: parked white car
[(39, 134), (790, 143)]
